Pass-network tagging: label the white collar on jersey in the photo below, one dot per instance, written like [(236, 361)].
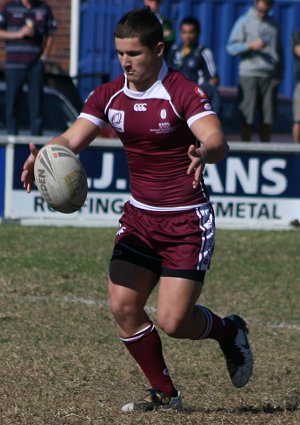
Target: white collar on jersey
[(156, 87)]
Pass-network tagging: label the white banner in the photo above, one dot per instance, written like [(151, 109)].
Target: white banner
[(256, 186)]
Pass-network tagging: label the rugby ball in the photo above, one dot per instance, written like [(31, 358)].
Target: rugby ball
[(60, 178)]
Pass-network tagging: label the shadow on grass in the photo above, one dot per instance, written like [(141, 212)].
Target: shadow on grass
[(255, 410)]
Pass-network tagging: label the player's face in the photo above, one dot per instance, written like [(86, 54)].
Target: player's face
[(189, 35), (140, 63)]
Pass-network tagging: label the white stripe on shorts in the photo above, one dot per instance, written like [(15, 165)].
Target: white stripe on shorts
[(207, 227)]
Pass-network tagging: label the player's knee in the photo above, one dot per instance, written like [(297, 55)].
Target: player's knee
[(171, 326), (120, 309)]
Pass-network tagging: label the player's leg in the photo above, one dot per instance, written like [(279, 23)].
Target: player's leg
[(14, 81), (129, 288), (35, 97), (183, 270), (130, 285), (180, 317)]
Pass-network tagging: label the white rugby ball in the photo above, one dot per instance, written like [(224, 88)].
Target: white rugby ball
[(60, 178)]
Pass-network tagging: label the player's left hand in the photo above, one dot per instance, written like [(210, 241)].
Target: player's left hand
[(27, 176), (197, 164)]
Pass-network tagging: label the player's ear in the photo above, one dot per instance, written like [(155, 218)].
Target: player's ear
[(160, 49)]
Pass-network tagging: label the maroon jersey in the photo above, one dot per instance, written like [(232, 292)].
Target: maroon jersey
[(154, 129)]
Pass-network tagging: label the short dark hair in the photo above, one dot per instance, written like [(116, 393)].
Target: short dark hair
[(190, 20), (141, 23)]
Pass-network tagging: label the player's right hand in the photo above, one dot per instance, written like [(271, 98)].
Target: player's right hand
[(27, 176)]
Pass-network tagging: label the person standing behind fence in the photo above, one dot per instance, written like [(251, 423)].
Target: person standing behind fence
[(296, 98), (255, 38), (168, 28), (195, 60), (27, 26)]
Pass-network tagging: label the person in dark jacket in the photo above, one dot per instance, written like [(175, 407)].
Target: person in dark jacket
[(195, 60), (27, 27)]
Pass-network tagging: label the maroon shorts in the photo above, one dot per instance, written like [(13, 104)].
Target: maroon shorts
[(178, 244)]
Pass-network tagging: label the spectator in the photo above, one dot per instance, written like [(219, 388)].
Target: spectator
[(195, 60), (255, 37), (296, 99), (168, 29), (27, 26)]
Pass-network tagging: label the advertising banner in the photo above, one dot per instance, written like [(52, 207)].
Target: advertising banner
[(254, 187)]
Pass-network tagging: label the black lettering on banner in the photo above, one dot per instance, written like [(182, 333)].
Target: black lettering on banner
[(263, 211), (274, 213), (252, 209), (117, 206), (224, 211), (40, 205), (242, 210), (103, 206)]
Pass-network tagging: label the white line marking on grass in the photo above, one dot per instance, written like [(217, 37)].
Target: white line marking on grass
[(149, 308), (80, 300), (284, 325)]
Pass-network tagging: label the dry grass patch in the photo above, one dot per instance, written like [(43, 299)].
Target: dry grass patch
[(62, 363)]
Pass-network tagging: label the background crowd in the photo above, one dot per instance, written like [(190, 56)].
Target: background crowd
[(254, 39)]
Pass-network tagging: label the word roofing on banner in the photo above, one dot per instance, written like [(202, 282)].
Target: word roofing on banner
[(256, 186)]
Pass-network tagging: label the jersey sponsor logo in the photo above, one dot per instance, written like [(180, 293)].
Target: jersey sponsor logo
[(116, 118), (163, 114), (140, 107)]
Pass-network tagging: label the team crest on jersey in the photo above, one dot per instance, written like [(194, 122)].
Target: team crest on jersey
[(116, 119)]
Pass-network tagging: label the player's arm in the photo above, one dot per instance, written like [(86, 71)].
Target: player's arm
[(76, 138), (213, 146)]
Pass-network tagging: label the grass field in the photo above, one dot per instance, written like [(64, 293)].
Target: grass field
[(61, 361)]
